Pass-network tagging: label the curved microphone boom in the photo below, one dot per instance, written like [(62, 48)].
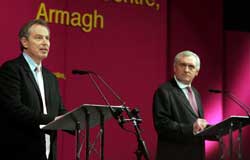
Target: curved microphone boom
[(234, 98), (115, 112), (83, 72), (111, 90)]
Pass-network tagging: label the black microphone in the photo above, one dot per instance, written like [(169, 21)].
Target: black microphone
[(215, 91), (81, 72)]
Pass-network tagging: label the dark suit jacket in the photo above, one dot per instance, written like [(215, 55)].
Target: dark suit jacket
[(173, 120), (21, 111)]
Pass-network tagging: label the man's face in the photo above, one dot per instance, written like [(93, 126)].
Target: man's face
[(38, 43), (185, 69)]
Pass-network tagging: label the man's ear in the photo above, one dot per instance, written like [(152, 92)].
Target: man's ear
[(197, 72), (24, 42)]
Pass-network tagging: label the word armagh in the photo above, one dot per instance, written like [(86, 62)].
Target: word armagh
[(86, 21)]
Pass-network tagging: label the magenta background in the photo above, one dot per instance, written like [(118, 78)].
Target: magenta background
[(134, 54)]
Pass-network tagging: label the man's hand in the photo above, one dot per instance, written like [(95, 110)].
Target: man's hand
[(199, 125)]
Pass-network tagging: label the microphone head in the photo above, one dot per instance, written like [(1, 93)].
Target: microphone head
[(216, 91), (81, 72)]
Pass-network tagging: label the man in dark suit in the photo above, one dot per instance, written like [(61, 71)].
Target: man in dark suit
[(29, 98), (178, 113)]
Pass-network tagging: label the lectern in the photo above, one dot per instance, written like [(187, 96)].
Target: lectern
[(84, 117), (226, 127)]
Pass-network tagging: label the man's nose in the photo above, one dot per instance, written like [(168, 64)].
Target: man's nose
[(186, 68)]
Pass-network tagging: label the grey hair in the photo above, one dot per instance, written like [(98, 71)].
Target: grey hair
[(188, 53)]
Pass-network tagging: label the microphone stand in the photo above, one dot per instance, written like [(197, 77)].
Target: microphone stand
[(246, 109), (141, 146), (133, 116), (113, 112)]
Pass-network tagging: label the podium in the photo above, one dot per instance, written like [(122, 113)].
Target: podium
[(226, 127), (84, 117)]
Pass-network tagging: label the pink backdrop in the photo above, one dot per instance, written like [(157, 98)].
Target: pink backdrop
[(133, 53), (237, 74), (129, 53), (198, 26)]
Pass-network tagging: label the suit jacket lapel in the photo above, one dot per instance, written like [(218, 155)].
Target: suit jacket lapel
[(29, 74), (26, 67), (185, 101), (183, 98)]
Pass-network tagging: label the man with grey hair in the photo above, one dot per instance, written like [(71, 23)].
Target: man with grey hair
[(178, 113)]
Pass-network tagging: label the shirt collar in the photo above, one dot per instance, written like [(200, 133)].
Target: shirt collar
[(180, 84), (32, 64)]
